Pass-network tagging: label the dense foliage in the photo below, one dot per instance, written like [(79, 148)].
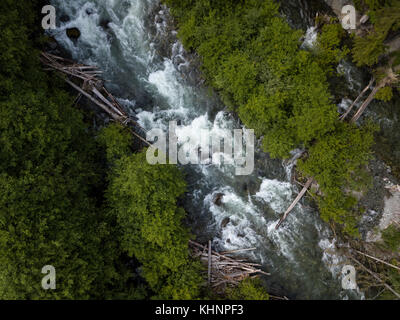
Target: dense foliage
[(252, 56), (47, 177), (336, 163), (385, 17), (255, 60), (249, 289), (391, 237), (142, 198), (392, 276)]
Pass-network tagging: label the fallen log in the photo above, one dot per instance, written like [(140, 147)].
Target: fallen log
[(140, 138), (71, 70), (98, 103), (390, 79), (357, 99), (278, 298), (238, 250), (117, 105), (377, 259), (366, 103), (101, 97), (294, 203)]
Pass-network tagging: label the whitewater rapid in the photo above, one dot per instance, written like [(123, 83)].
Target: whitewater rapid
[(133, 43)]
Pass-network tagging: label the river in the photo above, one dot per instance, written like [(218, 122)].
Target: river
[(135, 45)]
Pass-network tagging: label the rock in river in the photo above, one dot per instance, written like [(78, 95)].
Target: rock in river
[(218, 199), (73, 33)]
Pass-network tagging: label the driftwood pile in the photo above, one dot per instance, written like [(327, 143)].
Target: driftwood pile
[(85, 79), (224, 271)]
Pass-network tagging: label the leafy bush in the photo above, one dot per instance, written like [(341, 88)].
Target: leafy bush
[(48, 175), (385, 94), (337, 162), (391, 237), (385, 16), (142, 198), (249, 289)]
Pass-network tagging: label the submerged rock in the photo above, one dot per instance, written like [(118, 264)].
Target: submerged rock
[(105, 24), (73, 33), (218, 199), (225, 222)]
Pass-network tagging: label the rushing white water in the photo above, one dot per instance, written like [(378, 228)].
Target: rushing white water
[(351, 75), (126, 39), (344, 105), (310, 38)]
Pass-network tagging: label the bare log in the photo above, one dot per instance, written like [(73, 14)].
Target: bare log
[(101, 105), (87, 68), (140, 138), (366, 103), (376, 259), (278, 298), (343, 117), (238, 250), (117, 105), (101, 97), (193, 243), (294, 203)]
